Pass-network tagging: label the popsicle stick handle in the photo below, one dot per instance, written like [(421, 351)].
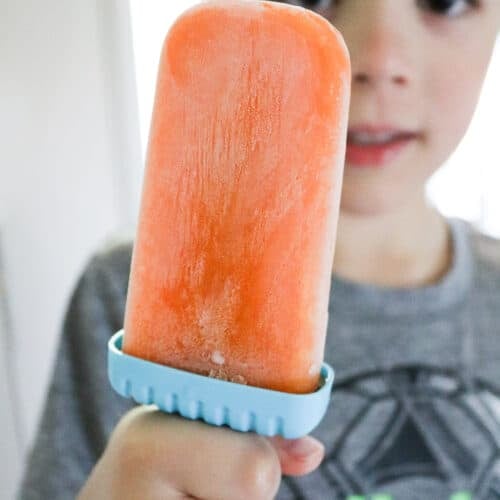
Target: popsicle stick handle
[(218, 402)]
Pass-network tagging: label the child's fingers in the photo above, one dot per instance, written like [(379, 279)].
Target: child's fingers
[(193, 458), (298, 456), (155, 455)]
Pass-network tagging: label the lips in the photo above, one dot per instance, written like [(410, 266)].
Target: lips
[(376, 146)]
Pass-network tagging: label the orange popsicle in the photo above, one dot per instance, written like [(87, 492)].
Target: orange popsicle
[(232, 262)]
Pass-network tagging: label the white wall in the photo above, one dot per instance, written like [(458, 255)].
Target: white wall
[(10, 438), (69, 178)]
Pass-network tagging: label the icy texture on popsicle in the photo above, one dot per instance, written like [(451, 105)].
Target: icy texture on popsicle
[(232, 262)]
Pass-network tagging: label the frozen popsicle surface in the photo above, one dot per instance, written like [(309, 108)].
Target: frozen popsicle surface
[(232, 262)]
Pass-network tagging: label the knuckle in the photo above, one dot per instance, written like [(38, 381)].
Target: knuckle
[(137, 459), (126, 467), (130, 444), (259, 471)]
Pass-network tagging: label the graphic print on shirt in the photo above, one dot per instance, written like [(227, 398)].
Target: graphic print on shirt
[(413, 427)]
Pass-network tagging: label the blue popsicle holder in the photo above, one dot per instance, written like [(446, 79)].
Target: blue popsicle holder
[(218, 402)]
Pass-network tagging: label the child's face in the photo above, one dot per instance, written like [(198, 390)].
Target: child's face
[(417, 67)]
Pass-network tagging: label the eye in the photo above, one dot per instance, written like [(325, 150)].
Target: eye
[(314, 4), (449, 8)]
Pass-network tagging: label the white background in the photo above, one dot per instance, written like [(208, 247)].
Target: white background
[(73, 128), (70, 163)]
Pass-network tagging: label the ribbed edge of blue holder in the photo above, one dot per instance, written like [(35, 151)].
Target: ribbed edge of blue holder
[(217, 402)]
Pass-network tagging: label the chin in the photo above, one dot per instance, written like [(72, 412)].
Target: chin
[(367, 199)]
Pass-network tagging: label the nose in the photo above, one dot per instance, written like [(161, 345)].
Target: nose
[(381, 44), (370, 72)]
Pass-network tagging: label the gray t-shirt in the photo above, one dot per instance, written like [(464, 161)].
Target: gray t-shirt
[(415, 412)]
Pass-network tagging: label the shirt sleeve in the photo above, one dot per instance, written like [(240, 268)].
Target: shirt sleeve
[(81, 409)]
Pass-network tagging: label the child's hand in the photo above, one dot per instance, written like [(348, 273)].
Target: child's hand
[(152, 455)]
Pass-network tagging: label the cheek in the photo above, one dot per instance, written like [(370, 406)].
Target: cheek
[(452, 96)]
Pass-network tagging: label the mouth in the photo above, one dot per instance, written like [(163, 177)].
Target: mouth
[(376, 146)]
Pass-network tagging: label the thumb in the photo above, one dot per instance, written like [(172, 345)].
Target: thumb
[(298, 456)]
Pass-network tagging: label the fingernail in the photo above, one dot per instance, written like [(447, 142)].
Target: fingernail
[(303, 447)]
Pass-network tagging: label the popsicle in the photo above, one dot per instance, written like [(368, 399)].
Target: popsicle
[(232, 261)]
